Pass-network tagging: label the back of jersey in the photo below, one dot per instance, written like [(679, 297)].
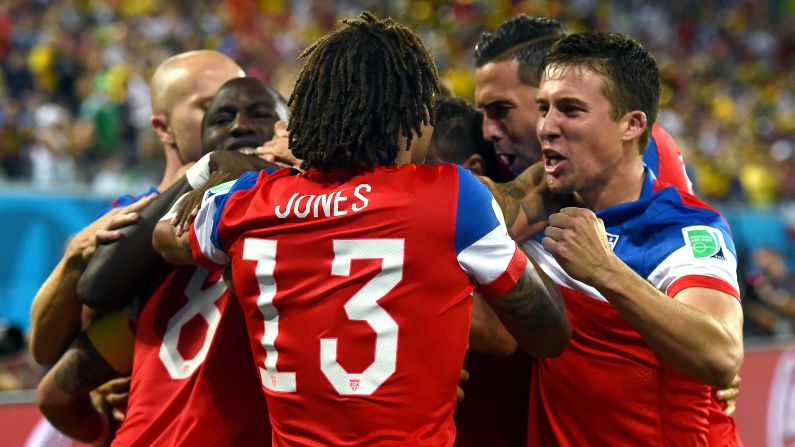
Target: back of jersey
[(183, 391), (356, 292)]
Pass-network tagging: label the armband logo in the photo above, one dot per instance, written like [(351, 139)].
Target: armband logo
[(704, 242)]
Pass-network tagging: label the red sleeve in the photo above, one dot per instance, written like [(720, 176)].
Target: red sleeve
[(707, 282), (505, 282)]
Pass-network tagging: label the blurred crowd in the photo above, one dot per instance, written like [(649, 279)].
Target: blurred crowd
[(74, 104), (75, 107)]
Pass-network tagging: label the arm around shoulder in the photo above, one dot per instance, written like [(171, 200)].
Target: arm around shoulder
[(108, 282)]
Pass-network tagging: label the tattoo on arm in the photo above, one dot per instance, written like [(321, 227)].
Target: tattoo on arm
[(509, 196), (82, 368), (531, 303), (519, 197)]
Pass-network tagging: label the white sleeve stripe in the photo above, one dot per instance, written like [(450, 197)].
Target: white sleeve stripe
[(681, 263), (489, 257), (556, 273), (203, 226)]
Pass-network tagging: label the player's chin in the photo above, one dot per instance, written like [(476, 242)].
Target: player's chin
[(559, 185)]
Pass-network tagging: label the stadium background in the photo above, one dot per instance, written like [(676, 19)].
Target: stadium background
[(74, 128)]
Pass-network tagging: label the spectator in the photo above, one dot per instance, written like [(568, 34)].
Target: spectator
[(769, 301)]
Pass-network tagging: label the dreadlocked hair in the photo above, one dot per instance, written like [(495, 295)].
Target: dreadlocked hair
[(362, 87)]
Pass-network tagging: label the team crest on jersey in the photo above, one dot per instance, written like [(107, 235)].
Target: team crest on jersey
[(704, 242), (612, 239)]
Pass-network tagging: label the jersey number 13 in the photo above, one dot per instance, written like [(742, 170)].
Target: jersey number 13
[(363, 306)]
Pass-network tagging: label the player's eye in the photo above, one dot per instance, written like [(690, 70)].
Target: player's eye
[(264, 114), (543, 109), (221, 119), (497, 112)]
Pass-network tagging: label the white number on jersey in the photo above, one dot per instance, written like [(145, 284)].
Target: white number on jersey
[(264, 252), (363, 306), (200, 302)]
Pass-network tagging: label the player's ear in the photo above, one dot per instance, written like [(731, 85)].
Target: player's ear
[(162, 129), (476, 164), (635, 123)]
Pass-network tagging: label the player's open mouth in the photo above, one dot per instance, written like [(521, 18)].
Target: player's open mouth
[(553, 161), (507, 159)]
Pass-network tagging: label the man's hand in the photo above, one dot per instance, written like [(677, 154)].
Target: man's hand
[(104, 229), (115, 393), (190, 203), (526, 202), (462, 378), (223, 166), (728, 396), (578, 241), (277, 150)]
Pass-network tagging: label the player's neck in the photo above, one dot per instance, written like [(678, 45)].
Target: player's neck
[(169, 175), (173, 165), (624, 185)]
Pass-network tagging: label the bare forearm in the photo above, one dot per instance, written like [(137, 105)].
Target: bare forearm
[(63, 395), (694, 342), (109, 281), (55, 313), (534, 314), (77, 418)]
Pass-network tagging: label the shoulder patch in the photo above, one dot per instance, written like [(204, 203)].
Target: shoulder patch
[(704, 241)]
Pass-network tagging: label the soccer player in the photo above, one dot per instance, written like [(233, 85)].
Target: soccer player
[(188, 330), (648, 272), (506, 80), (355, 275), (458, 138), (180, 88)]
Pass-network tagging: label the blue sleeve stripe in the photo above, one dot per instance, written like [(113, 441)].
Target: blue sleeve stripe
[(245, 182), (475, 216)]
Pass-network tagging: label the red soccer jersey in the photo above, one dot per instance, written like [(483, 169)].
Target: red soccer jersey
[(356, 291), (191, 381), (494, 401), (609, 388)]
